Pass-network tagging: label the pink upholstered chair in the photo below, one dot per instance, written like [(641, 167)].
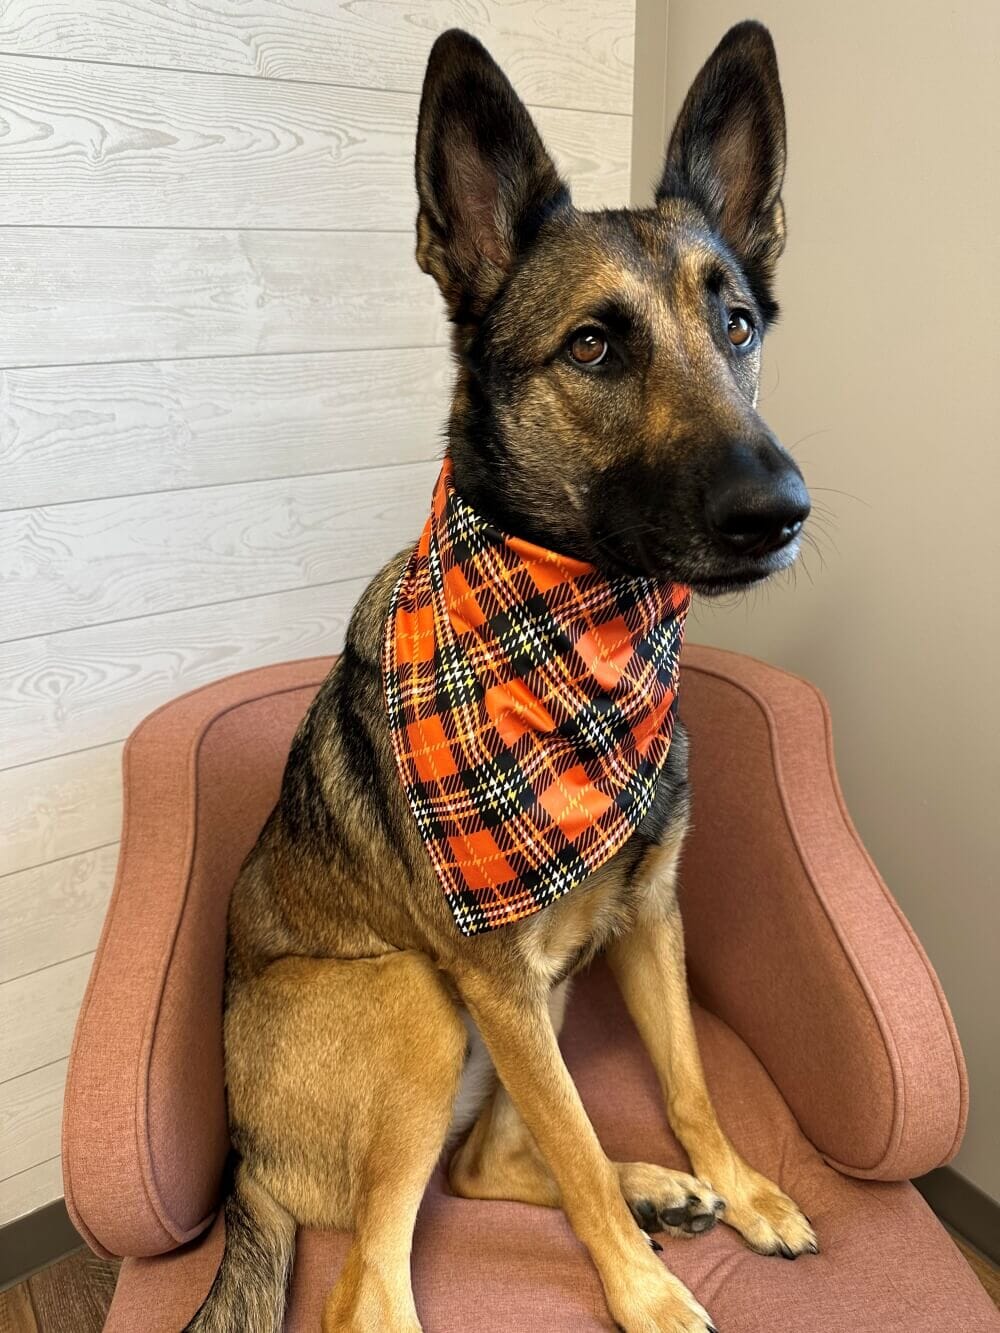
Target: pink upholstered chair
[(827, 1041)]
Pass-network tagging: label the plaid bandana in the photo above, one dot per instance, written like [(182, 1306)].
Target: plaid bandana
[(531, 702)]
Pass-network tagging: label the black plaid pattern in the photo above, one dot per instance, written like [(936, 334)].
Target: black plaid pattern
[(531, 702)]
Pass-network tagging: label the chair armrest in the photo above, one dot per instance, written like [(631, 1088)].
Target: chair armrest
[(144, 1122), (794, 939)]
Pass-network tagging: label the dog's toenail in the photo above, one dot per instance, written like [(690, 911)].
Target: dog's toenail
[(655, 1245)]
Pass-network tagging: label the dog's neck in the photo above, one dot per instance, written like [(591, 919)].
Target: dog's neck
[(489, 477)]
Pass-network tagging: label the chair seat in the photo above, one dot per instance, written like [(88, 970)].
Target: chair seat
[(492, 1267)]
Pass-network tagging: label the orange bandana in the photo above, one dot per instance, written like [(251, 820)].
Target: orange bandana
[(531, 705)]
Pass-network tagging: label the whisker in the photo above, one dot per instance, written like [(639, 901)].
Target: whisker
[(833, 490), (823, 525), (643, 527), (814, 546), (774, 387), (805, 569), (824, 430)]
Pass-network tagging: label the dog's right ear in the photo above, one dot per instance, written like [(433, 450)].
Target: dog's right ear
[(484, 179)]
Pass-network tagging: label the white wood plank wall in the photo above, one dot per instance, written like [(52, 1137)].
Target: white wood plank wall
[(222, 384)]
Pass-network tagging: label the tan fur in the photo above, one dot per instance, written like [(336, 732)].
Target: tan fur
[(649, 966), (324, 1048), (522, 1042), (500, 1160)]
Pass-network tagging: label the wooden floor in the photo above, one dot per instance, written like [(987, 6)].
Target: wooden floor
[(74, 1294), (70, 1297), (987, 1273)]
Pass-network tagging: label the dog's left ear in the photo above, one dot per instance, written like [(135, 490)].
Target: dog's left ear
[(727, 151), (484, 179)]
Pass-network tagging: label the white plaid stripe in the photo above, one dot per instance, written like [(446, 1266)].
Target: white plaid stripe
[(465, 666)]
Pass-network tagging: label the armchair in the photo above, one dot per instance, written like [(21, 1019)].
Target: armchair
[(827, 1042)]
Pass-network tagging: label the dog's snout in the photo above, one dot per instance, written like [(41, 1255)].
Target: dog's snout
[(759, 503)]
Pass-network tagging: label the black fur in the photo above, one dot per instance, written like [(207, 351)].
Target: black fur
[(485, 181), (248, 1292)]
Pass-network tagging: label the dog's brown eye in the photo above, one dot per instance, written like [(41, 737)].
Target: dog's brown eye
[(740, 328), (588, 347)]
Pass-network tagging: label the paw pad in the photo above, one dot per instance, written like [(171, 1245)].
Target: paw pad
[(691, 1218)]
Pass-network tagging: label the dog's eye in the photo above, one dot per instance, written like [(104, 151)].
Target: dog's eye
[(739, 328), (588, 347)]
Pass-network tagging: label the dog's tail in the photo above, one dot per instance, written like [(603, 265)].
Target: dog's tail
[(250, 1288)]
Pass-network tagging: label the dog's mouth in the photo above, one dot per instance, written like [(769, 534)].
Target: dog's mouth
[(703, 568), (740, 575)]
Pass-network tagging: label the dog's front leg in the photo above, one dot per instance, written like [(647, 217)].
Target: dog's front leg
[(643, 1296), (649, 965)]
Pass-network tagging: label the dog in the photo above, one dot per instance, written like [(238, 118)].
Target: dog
[(605, 408)]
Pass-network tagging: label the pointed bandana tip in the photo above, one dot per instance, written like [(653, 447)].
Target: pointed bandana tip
[(531, 703)]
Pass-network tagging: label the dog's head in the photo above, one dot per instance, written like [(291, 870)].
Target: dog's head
[(610, 360)]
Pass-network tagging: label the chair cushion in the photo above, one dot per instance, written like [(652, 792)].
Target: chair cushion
[(886, 1262)]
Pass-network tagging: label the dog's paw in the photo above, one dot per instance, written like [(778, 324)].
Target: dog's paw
[(660, 1304), (671, 1201), (767, 1219)]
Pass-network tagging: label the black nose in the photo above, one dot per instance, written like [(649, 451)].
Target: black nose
[(756, 507)]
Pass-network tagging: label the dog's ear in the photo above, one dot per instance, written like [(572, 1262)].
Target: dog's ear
[(484, 179), (727, 151)]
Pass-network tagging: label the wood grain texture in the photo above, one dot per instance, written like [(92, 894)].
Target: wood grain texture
[(59, 807), (54, 911), (16, 1312), (71, 294), (91, 686), (30, 1118), (83, 432), (74, 1294), (39, 1013), (30, 1189), (986, 1271), (70, 1296), (102, 146), (556, 53), (86, 563)]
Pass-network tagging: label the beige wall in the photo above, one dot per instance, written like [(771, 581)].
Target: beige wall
[(222, 382), (882, 377)]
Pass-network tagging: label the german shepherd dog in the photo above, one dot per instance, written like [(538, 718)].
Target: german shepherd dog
[(607, 370)]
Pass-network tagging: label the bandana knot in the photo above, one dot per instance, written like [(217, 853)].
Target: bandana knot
[(531, 702)]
